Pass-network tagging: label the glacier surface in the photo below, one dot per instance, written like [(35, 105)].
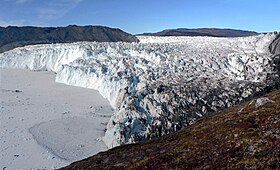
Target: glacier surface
[(159, 85)]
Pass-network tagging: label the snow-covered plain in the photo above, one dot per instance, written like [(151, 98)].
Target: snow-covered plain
[(45, 125), (160, 84)]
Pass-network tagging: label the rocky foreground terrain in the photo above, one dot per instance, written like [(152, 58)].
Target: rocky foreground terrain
[(12, 37), (245, 136)]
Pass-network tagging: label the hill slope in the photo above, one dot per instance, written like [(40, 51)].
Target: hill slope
[(241, 137), (212, 32), (12, 37)]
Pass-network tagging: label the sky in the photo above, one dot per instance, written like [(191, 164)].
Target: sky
[(139, 16)]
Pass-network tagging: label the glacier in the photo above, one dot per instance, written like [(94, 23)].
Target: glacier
[(161, 84)]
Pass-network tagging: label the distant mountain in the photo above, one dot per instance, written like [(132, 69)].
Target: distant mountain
[(245, 136), (12, 37), (212, 32)]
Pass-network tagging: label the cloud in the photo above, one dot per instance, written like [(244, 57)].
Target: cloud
[(22, 1), (18, 1), (50, 14), (54, 9), (4, 23), (37, 12)]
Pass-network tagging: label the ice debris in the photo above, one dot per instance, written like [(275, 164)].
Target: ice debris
[(262, 101)]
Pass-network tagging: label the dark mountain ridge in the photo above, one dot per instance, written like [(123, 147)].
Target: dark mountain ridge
[(12, 36), (212, 32)]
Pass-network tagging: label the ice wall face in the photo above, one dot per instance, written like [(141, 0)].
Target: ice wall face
[(43, 57), (275, 50), (159, 87)]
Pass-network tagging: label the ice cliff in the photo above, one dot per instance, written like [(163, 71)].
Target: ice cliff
[(160, 84)]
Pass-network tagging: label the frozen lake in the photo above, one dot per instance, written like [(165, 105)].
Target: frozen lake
[(44, 124)]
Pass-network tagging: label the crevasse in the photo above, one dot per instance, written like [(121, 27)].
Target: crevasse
[(158, 85)]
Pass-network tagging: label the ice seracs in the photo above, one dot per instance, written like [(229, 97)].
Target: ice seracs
[(160, 84)]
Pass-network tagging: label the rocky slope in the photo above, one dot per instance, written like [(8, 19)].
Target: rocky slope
[(158, 88), (245, 136), (12, 37), (211, 32)]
